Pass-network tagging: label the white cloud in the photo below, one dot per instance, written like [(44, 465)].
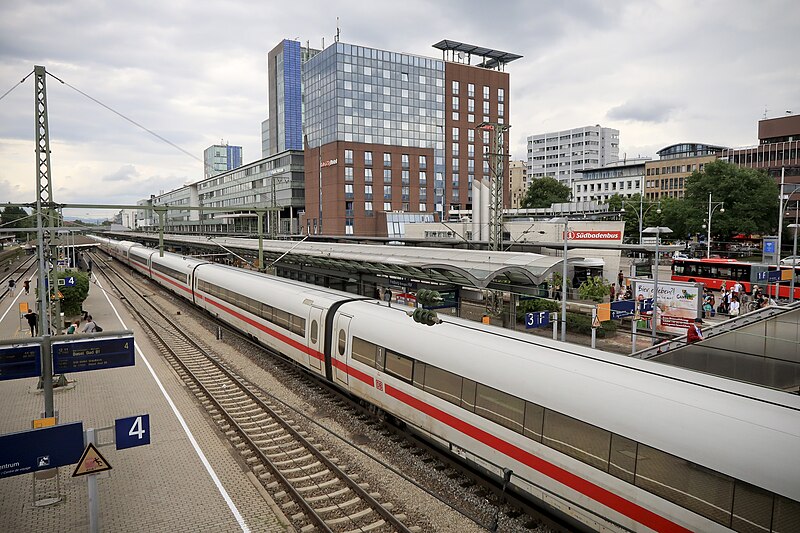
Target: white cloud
[(195, 73)]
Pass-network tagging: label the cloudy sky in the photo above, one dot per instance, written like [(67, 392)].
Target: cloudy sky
[(194, 72)]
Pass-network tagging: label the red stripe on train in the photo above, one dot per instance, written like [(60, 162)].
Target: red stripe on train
[(565, 477)]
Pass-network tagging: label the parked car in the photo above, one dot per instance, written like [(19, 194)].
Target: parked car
[(792, 259)]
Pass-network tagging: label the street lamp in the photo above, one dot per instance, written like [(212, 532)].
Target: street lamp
[(657, 230), (711, 210), (794, 252), (641, 213), (565, 221)]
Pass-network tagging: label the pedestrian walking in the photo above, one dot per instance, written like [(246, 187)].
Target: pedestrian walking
[(12, 286), (620, 280), (694, 333), (33, 322), (90, 326), (27, 286), (613, 292)]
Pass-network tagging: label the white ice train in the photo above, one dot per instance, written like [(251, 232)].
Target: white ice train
[(615, 443)]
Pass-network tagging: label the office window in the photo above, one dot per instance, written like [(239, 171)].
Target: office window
[(471, 105), (387, 175), (455, 149), (471, 90), (455, 115), (470, 135), (485, 107), (423, 208), (423, 177), (387, 192), (485, 92), (368, 190), (423, 161), (348, 188), (455, 134), (387, 206), (485, 137), (368, 175), (368, 208), (405, 160), (501, 95), (348, 173), (368, 158), (455, 87), (455, 164), (455, 103), (470, 118), (501, 109), (348, 157), (387, 159)]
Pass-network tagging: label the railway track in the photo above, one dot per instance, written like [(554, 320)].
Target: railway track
[(314, 492), (18, 273)]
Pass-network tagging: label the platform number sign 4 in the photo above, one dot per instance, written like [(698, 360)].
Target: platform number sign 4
[(132, 431), (69, 281)]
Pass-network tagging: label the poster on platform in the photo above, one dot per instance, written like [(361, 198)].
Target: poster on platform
[(679, 303)]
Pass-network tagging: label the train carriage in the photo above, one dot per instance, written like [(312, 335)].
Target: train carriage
[(613, 442), (175, 272)]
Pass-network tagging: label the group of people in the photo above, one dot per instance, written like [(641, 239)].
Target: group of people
[(12, 286), (89, 325), (621, 293)]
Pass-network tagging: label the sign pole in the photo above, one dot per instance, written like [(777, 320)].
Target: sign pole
[(555, 327), (94, 526), (633, 336), (594, 327)]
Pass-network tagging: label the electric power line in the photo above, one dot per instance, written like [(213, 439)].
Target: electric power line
[(16, 85)]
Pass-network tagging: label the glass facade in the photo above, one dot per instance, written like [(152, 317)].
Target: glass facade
[(290, 85), (363, 95)]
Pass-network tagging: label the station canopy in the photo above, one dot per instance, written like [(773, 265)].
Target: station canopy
[(467, 268)]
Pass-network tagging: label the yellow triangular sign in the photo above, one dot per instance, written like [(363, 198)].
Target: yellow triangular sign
[(595, 323), (91, 462)]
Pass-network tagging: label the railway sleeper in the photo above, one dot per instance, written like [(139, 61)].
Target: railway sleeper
[(339, 506), (351, 518), (292, 460), (329, 496), (270, 449), (315, 464), (321, 485)]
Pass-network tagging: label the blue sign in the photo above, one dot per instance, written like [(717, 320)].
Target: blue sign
[(769, 247), (69, 281), (39, 449), (538, 319), (132, 431), (622, 309), (92, 354), (769, 275), (20, 361)]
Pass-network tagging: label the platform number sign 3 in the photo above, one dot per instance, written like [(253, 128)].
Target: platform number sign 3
[(132, 431)]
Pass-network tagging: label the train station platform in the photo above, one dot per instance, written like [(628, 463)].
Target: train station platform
[(186, 479)]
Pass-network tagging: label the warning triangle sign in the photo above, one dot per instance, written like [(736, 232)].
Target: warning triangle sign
[(91, 462), (595, 323)]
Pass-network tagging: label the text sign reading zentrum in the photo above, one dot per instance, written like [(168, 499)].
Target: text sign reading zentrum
[(23, 361), (40, 449), (593, 235), (92, 354)]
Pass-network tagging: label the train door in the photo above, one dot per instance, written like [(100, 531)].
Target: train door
[(338, 354), (315, 339)]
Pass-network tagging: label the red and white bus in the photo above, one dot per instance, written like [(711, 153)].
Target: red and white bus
[(713, 272)]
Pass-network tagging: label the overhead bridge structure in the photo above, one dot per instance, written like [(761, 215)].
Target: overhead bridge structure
[(761, 347)]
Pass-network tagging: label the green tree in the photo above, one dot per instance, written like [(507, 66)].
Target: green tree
[(543, 192), (73, 296), (750, 198), (594, 288), (16, 217)]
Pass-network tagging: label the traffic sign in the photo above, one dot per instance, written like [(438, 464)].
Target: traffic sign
[(132, 431), (92, 354), (23, 361), (40, 449), (91, 462)]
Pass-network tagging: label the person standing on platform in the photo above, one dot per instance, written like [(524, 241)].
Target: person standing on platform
[(33, 322), (695, 333), (734, 306), (12, 286), (613, 293), (620, 280), (27, 286)]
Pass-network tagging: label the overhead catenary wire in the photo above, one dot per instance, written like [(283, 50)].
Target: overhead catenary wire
[(20, 82), (124, 117)]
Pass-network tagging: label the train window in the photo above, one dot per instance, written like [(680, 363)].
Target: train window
[(752, 509), (314, 331), (280, 318), (787, 515), (580, 440), (468, 395), (443, 384), (623, 458), (398, 365), (298, 325), (419, 374), (363, 351), (342, 341), (689, 485), (534, 420), (499, 407)]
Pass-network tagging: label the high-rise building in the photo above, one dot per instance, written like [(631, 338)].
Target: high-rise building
[(221, 158), (561, 154), (778, 149), (388, 131), (283, 130)]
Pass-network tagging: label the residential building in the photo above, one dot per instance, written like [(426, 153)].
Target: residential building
[(562, 154), (624, 178), (388, 132), (518, 182), (221, 158), (283, 130), (666, 177)]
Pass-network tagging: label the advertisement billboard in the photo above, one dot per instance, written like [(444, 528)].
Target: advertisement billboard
[(678, 303)]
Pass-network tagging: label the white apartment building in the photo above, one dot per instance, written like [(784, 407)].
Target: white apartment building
[(625, 178), (561, 154)]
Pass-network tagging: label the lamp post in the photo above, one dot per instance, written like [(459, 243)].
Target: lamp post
[(794, 251), (657, 230), (565, 221), (642, 212), (712, 206)]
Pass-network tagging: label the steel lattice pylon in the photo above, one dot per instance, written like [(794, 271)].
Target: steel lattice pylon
[(497, 155)]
